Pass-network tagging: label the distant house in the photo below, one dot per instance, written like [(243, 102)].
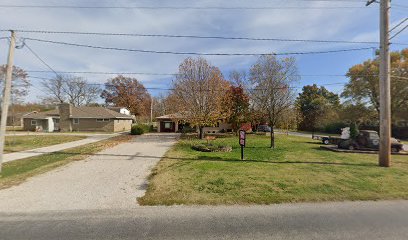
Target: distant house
[(16, 119), (177, 121), (67, 118), (122, 110)]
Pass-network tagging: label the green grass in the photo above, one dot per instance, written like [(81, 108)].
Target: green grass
[(15, 128), (296, 171), (18, 171), (21, 143)]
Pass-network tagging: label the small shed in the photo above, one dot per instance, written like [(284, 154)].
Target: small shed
[(169, 122)]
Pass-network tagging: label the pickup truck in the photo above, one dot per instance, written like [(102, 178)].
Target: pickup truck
[(368, 140)]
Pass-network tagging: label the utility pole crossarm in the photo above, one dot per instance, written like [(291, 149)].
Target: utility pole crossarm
[(369, 2)]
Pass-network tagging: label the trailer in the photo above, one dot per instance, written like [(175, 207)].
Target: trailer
[(327, 140)]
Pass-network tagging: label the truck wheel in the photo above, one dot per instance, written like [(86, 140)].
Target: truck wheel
[(394, 150), (326, 142), (351, 147)]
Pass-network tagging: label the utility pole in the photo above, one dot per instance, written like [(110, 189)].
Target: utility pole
[(151, 110), (384, 156), (385, 85), (6, 94)]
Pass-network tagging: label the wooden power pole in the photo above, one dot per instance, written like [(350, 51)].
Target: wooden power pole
[(6, 95), (385, 86)]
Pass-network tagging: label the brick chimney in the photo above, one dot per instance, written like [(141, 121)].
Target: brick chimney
[(65, 112)]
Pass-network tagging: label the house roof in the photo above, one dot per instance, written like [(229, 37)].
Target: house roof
[(179, 115), (116, 108), (19, 114), (82, 112)]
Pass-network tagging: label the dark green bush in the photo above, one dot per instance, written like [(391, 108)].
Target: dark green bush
[(137, 130), (151, 128), (211, 148), (188, 129), (353, 130), (335, 127)]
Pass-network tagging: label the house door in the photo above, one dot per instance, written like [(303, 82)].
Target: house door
[(56, 124)]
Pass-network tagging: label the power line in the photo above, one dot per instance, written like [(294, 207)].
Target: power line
[(175, 7), (40, 59), (196, 53), (396, 34), (167, 74), (194, 36), (175, 74), (201, 90), (399, 24)]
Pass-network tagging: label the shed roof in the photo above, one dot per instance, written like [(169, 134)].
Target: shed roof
[(179, 115)]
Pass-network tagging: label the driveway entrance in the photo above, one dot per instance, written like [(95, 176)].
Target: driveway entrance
[(113, 178)]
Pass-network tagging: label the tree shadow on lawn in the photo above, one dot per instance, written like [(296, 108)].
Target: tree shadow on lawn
[(213, 158), (218, 159), (314, 143)]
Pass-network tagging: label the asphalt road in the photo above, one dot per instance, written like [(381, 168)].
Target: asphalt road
[(350, 220)]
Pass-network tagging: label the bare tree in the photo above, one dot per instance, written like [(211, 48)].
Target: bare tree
[(54, 90), (271, 91), (199, 87), (74, 90), (238, 78), (20, 83)]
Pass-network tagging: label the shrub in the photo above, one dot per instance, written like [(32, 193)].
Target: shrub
[(211, 148), (137, 130), (334, 127), (353, 131), (151, 128), (188, 129)]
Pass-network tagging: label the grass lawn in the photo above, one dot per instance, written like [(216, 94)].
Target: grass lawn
[(15, 172), (296, 171), (15, 128), (20, 143)]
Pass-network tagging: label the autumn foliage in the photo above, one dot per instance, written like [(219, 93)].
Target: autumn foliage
[(235, 106), (127, 92)]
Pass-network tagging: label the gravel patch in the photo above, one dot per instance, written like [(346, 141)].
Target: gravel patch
[(113, 178)]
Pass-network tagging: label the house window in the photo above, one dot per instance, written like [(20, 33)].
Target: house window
[(167, 125), (33, 122), (102, 119), (56, 120), (76, 120)]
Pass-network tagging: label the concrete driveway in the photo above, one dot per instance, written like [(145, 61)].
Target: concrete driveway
[(113, 178)]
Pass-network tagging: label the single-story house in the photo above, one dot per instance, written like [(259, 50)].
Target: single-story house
[(67, 118), (16, 119), (177, 121)]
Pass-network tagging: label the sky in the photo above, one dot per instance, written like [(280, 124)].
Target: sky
[(347, 20)]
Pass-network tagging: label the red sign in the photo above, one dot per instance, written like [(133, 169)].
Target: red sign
[(242, 137)]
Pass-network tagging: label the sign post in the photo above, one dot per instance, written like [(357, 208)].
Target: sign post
[(242, 139)]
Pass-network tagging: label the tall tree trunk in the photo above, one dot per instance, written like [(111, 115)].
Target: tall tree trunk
[(272, 137), (201, 132)]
